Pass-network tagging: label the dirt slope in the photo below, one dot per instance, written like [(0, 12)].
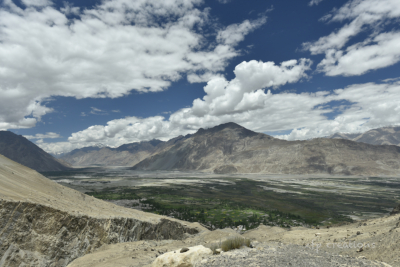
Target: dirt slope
[(44, 223)]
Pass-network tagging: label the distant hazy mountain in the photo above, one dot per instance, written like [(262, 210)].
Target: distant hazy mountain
[(380, 136), (230, 148), (23, 151), (346, 136), (125, 155)]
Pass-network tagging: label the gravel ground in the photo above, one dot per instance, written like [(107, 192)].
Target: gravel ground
[(281, 255)]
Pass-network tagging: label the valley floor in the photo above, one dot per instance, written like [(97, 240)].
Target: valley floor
[(317, 199)]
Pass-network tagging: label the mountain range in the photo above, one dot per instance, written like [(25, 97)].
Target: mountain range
[(231, 148), (23, 151), (380, 136), (125, 155), (228, 148)]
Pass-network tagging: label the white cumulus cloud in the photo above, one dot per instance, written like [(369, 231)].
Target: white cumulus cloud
[(235, 33), (372, 106), (106, 52), (242, 100), (314, 2), (378, 50), (42, 136)]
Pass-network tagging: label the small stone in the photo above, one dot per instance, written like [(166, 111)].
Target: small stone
[(360, 249), (358, 233)]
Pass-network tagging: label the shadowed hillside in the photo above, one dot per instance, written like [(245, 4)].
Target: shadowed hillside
[(23, 151)]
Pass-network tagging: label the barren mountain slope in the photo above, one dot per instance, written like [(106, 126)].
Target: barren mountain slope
[(380, 136), (23, 151), (106, 157), (125, 155), (45, 224), (230, 148)]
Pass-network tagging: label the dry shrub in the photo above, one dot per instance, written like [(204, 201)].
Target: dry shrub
[(214, 247), (235, 243)]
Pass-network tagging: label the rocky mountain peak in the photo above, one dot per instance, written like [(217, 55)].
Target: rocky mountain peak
[(243, 132)]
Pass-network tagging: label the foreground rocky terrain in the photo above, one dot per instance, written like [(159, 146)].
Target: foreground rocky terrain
[(272, 246), (230, 148), (45, 224), (23, 151), (280, 255)]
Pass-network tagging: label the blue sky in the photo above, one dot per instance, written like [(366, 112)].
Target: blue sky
[(79, 73)]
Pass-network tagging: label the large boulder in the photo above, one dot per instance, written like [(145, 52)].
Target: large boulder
[(185, 257)]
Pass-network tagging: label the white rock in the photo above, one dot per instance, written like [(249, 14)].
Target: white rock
[(186, 259)]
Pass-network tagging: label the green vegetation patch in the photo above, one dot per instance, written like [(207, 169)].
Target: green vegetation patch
[(117, 194)]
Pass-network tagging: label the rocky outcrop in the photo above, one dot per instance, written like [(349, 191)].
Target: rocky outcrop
[(396, 210), (230, 148), (271, 246), (185, 257), (23, 151), (37, 235)]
